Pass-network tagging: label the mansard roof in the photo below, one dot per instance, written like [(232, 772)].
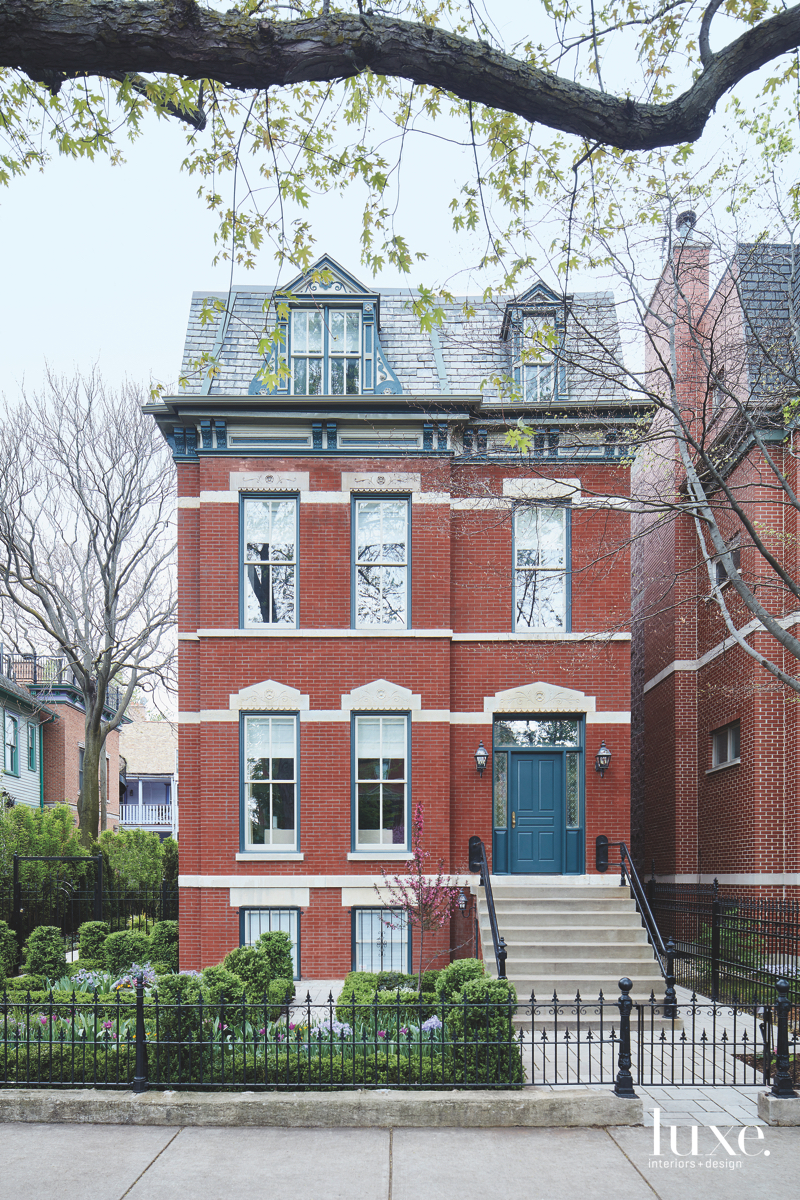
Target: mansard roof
[(459, 358)]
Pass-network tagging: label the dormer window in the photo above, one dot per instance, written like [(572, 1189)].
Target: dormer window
[(534, 357), (325, 350)]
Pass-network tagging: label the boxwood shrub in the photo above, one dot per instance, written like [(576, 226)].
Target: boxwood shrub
[(45, 953), (9, 951), (164, 943), (123, 949), (91, 939), (277, 947), (452, 979)]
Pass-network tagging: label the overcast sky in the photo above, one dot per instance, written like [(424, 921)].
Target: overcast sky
[(99, 262)]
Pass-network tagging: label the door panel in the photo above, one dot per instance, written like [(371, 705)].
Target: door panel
[(536, 814)]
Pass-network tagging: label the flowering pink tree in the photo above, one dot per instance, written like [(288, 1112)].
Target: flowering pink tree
[(425, 896)]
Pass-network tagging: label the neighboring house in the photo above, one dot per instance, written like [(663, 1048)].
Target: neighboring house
[(149, 787), (48, 680), (373, 588), (23, 723), (716, 782)]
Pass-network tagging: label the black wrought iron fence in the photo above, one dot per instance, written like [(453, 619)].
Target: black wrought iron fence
[(138, 1039), (728, 947)]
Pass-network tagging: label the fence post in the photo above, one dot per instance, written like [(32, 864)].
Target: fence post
[(98, 889), (782, 1084), (670, 999), (140, 1072), (16, 898), (502, 955), (623, 1085), (716, 913)]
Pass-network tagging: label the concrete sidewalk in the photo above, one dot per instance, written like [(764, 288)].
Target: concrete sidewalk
[(94, 1162)]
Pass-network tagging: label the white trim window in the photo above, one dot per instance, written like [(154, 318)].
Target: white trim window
[(725, 745), (540, 568), (269, 570), (326, 351), (381, 782), (270, 920), (380, 940), (535, 362), (270, 782), (381, 563)]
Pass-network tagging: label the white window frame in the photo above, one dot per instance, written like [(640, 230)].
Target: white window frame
[(269, 563), (270, 847), (328, 352), (10, 746), (536, 378), (376, 846), (380, 564), (526, 575), (256, 921)]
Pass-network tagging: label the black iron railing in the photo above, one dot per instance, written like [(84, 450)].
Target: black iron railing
[(48, 672), (137, 1039), (729, 947), (478, 863)]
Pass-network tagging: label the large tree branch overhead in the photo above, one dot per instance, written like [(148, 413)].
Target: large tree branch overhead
[(105, 39)]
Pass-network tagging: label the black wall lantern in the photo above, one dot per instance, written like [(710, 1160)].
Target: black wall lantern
[(602, 760), (481, 757)]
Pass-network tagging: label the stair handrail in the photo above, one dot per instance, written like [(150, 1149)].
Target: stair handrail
[(627, 868), (478, 862)]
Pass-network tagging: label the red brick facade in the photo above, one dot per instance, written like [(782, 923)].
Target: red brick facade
[(459, 651), (693, 820)]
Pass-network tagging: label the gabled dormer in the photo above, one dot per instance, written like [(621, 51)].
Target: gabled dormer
[(534, 325), (329, 338)]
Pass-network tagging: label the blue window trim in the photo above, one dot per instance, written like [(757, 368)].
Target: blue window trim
[(243, 847), (567, 569), (578, 748), (379, 908), (270, 496), (354, 496), (369, 712), (272, 908)]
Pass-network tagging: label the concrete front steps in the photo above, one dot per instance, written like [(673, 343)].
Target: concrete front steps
[(568, 935)]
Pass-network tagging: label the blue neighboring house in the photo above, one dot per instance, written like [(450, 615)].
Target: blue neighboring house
[(23, 719)]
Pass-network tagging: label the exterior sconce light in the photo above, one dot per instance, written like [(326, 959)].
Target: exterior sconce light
[(602, 760), (481, 757), (462, 900)]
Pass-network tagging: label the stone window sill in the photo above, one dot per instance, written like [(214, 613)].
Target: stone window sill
[(254, 856), (732, 762), (387, 856)]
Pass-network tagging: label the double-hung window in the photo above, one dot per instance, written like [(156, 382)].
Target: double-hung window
[(269, 783), (11, 756), (325, 349), (269, 561), (381, 781), (380, 569), (541, 568), (31, 746), (535, 361)]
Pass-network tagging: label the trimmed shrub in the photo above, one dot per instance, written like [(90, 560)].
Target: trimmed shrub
[(25, 983), (164, 943), (429, 980), (452, 979), (485, 1025), (218, 982), (9, 951), (389, 981), (91, 939), (280, 993), (45, 953), (251, 966), (359, 988), (123, 949), (176, 1023), (162, 968), (277, 947)]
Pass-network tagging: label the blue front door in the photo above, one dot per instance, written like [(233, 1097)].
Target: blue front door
[(536, 818)]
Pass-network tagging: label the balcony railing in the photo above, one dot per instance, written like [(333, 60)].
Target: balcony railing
[(47, 672), (146, 814)]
